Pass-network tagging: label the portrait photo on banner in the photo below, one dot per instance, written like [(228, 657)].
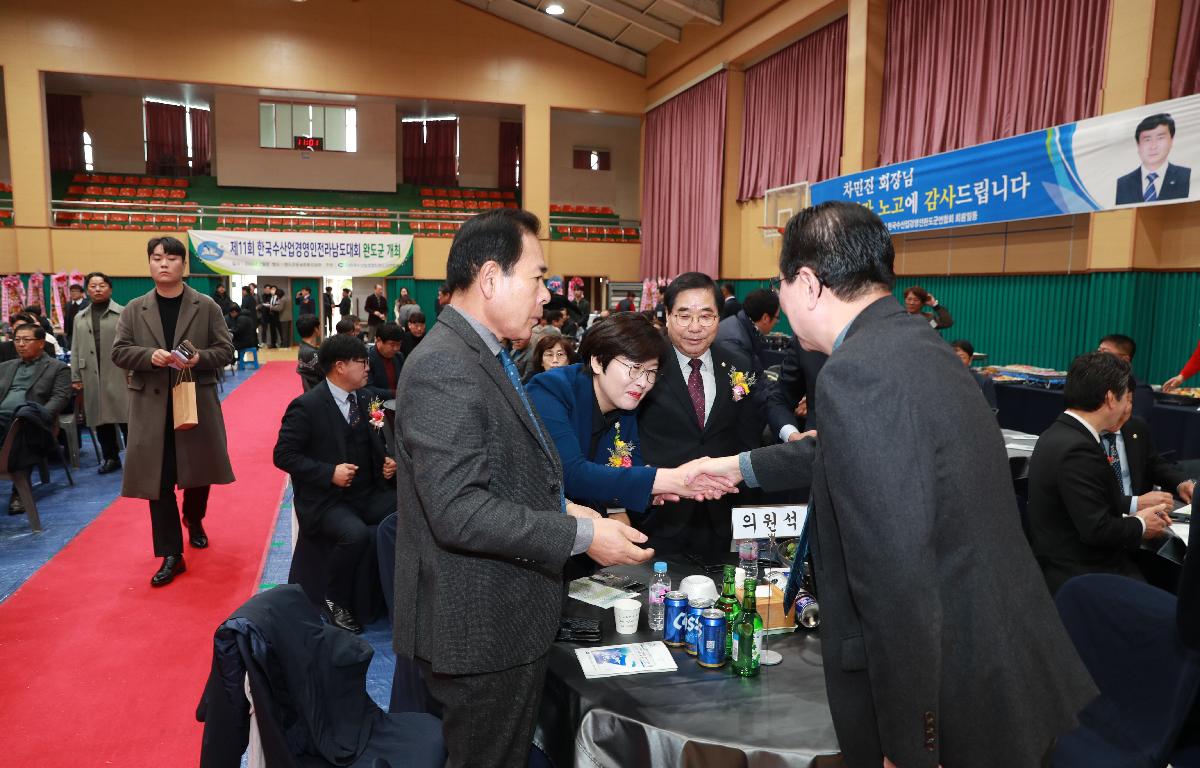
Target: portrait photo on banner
[(1142, 156)]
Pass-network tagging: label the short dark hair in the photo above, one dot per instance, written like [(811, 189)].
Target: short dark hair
[(686, 282), (1122, 342), (916, 290), (389, 332), (38, 331), (236, 309), (345, 325), (623, 334), (416, 317), (87, 280), (340, 348), (760, 302), (965, 346), (306, 324), (76, 287), (444, 288), (728, 288), (18, 317), (845, 244), (492, 236), (170, 245), (1152, 122), (1092, 376), (35, 310), (550, 314), (548, 342), (345, 290)]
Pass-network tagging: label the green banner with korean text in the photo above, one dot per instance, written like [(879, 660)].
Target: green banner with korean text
[(300, 254)]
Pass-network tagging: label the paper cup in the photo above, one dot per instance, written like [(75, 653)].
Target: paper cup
[(627, 612)]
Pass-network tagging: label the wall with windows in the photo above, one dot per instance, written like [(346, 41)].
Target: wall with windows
[(618, 187), (243, 163), (114, 121)]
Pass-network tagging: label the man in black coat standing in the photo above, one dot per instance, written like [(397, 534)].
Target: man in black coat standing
[(339, 466), (941, 644), (1083, 514)]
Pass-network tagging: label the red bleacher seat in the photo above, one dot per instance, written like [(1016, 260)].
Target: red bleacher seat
[(454, 193), (555, 208), (75, 189), (127, 191), (494, 194), (426, 192), (178, 194), (79, 177), (181, 183), (163, 182), (509, 195)]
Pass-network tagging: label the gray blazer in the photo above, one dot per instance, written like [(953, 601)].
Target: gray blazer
[(936, 625), (51, 384), (480, 540)]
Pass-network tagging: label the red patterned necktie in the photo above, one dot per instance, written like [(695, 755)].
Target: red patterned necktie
[(696, 390)]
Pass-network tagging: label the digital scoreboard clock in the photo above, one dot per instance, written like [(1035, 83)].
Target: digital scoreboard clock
[(314, 143)]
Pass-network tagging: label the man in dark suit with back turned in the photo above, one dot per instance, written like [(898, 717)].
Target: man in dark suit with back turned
[(339, 467), (1125, 348), (483, 528), (1081, 519), (940, 643), (1155, 179), (692, 413)]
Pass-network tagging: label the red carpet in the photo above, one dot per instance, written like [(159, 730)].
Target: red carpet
[(96, 667)]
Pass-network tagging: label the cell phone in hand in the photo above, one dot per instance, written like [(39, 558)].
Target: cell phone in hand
[(184, 352)]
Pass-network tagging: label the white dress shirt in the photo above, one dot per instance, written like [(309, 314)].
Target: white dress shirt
[(707, 377)]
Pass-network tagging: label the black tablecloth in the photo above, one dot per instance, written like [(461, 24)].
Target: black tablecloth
[(694, 716), (1031, 409)]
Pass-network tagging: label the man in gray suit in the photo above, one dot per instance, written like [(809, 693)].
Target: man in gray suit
[(941, 645), (483, 528)]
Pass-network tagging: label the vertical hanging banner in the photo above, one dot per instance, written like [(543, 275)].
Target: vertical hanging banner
[(301, 254), (1141, 156)]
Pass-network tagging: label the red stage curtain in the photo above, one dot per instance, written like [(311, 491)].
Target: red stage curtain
[(430, 157), (166, 138), (681, 199), (792, 114), (1185, 73), (201, 152), (64, 124), (511, 136), (962, 72)]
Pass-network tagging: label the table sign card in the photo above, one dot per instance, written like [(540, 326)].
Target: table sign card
[(781, 521)]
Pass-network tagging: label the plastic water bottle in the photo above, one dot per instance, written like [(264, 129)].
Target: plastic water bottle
[(660, 585), (748, 557)]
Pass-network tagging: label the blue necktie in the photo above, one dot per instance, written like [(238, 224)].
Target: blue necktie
[(1114, 458), (354, 415), (1150, 195), (510, 368)]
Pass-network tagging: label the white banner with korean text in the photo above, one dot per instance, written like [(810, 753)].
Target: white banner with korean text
[(301, 254)]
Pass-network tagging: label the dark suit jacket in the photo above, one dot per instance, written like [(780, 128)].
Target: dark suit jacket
[(1176, 184), (565, 400), (923, 661), (671, 436), (377, 379), (50, 387), (1077, 514), (797, 379), (730, 307), (69, 313), (1143, 399), (987, 386), (479, 509), (1147, 467), (242, 331), (375, 304), (310, 446)]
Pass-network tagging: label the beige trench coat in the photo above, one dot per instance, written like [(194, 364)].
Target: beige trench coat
[(105, 396), (202, 457)]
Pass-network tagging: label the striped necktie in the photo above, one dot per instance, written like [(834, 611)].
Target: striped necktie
[(1151, 194)]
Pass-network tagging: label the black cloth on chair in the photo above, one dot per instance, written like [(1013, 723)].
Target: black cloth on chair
[(308, 685), (409, 693)]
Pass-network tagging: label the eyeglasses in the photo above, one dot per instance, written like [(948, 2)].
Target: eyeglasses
[(705, 319), (637, 371), (24, 339)]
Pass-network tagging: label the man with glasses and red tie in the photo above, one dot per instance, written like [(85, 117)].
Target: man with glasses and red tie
[(706, 403), (340, 470)]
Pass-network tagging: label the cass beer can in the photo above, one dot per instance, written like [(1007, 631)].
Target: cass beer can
[(675, 607), (710, 643), (691, 633)]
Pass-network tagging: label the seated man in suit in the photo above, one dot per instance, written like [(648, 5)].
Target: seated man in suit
[(385, 361), (1125, 348), (339, 467), (792, 401), (965, 351), (745, 330), (1155, 179), (1080, 521), (32, 377)]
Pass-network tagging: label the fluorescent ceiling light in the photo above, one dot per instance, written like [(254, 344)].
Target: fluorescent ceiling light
[(554, 9)]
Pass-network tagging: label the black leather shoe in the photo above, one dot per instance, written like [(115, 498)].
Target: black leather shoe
[(109, 465), (172, 566), (15, 507), (343, 618), (196, 535)]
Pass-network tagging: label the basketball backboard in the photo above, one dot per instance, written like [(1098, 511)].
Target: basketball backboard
[(780, 204)]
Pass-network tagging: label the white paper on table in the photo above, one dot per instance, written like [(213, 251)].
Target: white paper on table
[(599, 595), (625, 659), (1181, 530), (1015, 447)]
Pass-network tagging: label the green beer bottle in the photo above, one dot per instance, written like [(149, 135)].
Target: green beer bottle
[(728, 603), (747, 634)]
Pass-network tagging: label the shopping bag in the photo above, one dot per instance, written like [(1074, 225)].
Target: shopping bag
[(183, 401)]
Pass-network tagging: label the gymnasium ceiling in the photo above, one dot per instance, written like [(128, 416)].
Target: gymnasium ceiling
[(621, 32)]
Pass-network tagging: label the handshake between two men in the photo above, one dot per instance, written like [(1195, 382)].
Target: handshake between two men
[(614, 540)]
